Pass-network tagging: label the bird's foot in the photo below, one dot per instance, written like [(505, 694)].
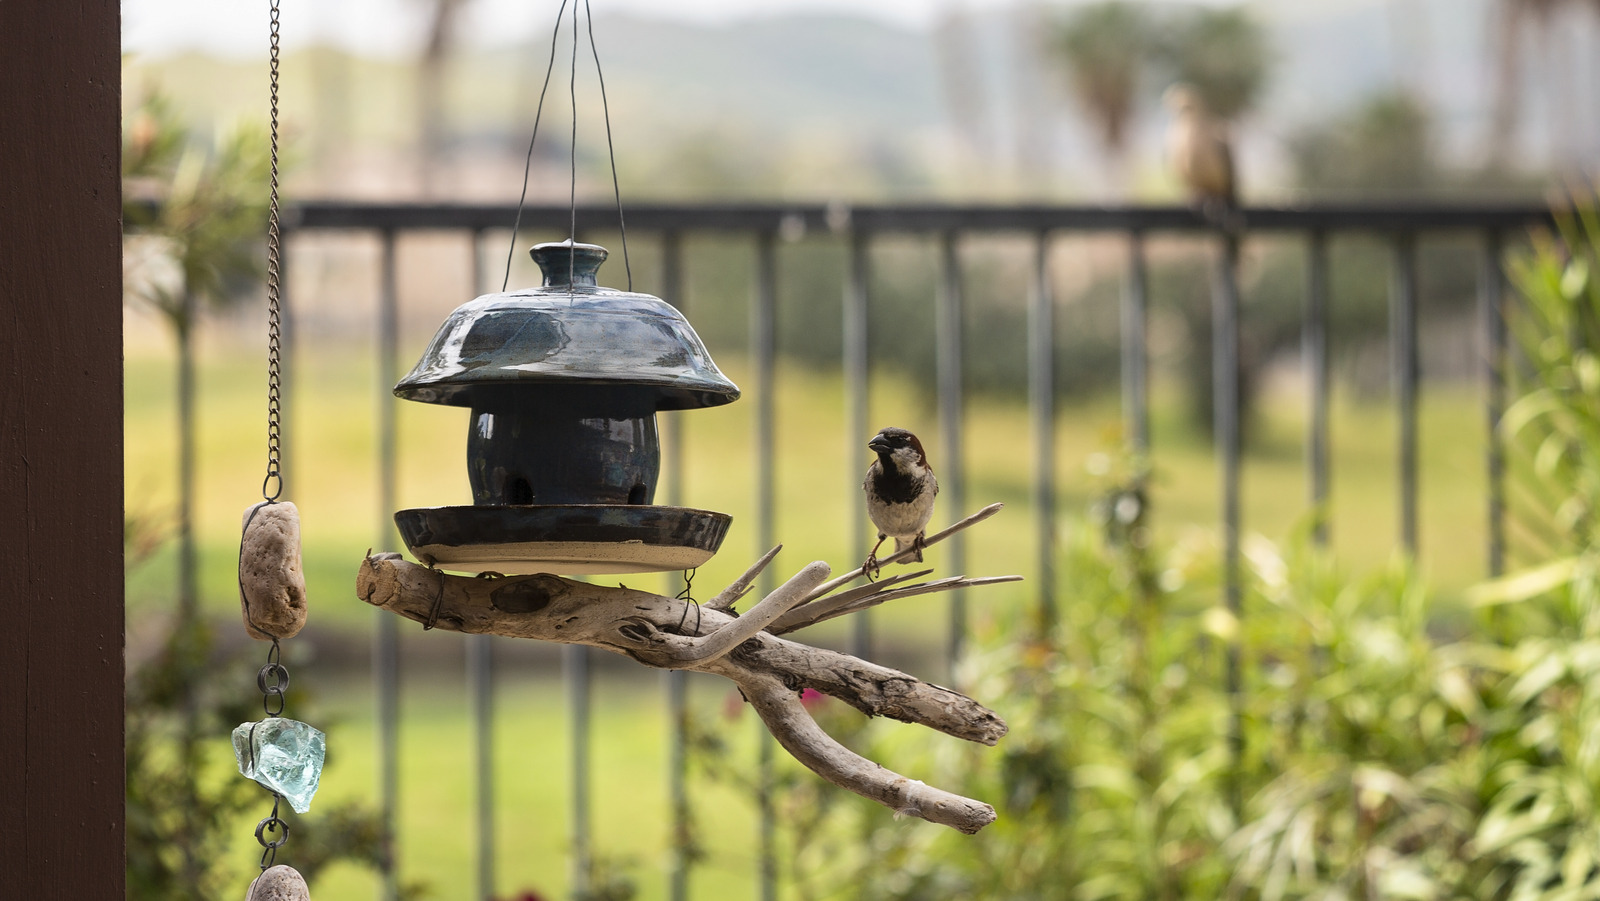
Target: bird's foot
[(870, 568), (918, 544)]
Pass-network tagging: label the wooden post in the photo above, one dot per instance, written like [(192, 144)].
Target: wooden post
[(61, 449)]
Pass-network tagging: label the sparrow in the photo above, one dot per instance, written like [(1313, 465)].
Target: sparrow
[(1200, 153), (900, 489)]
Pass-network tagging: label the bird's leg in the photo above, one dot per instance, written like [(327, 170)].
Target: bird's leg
[(870, 567), (917, 544)]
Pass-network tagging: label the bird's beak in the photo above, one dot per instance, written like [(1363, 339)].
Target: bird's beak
[(878, 445)]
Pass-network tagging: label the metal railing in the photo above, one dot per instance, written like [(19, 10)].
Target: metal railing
[(1401, 227)]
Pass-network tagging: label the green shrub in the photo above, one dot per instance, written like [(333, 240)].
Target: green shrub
[(1381, 755)]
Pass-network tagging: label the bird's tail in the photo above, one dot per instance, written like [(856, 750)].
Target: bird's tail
[(901, 544)]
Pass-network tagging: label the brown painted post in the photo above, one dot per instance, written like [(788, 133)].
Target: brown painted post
[(61, 764)]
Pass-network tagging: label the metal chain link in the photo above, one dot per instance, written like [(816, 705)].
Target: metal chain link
[(273, 680), (268, 827), (272, 485)]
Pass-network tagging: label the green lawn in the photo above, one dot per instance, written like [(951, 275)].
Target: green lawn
[(332, 477)]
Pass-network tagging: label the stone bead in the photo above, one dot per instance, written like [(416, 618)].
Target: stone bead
[(272, 583), (279, 883)]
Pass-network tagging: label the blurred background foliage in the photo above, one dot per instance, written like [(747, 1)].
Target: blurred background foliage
[(1385, 751), (196, 210)]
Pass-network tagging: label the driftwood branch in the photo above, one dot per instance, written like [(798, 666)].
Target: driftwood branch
[(770, 671)]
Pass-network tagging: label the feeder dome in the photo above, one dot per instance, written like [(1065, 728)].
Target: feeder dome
[(570, 333)]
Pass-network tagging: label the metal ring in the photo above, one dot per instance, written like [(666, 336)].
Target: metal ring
[(272, 823), (279, 676)]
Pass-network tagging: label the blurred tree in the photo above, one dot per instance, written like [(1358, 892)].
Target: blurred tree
[(1384, 145), (196, 213), (1222, 53), (1513, 21), (197, 210), (436, 50), (1105, 48)]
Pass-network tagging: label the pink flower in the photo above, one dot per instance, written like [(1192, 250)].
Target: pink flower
[(811, 698)]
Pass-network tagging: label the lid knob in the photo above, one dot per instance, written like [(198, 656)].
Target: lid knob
[(566, 264)]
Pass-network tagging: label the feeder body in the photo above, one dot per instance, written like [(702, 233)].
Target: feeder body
[(596, 446)]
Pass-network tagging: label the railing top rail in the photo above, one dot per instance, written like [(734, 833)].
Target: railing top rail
[(799, 218)]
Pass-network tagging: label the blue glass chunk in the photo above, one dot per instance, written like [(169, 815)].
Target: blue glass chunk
[(284, 756)]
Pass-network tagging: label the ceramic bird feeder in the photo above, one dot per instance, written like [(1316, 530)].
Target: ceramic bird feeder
[(564, 382)]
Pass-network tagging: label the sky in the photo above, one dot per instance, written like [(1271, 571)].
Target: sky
[(393, 26)]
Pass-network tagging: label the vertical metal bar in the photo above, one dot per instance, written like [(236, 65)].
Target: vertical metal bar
[(1042, 400), (677, 680), (575, 669), (386, 641), (188, 554), (1403, 348), (858, 432), (763, 351), (480, 692), (480, 696), (1135, 365), (1314, 350), (947, 337), (1492, 298), (1225, 411)]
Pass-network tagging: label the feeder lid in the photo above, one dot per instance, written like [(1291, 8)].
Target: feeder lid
[(569, 332)]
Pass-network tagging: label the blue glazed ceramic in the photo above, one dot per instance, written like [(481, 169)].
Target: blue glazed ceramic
[(564, 382)]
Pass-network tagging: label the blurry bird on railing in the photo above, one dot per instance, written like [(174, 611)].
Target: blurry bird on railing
[(900, 489), (1201, 155)]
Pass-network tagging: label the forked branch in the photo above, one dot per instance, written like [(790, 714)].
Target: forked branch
[(770, 671)]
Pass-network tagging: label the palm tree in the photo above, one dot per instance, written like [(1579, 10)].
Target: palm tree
[(1106, 47), (1223, 54)]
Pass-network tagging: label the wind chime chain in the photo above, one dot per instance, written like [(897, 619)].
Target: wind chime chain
[(272, 484), (527, 163), (611, 150), (267, 827), (273, 680)]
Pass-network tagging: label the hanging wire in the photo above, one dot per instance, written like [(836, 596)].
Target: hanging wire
[(272, 484), (611, 149), (527, 164), (572, 197)]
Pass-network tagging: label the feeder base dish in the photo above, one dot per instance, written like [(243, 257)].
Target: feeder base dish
[(564, 539)]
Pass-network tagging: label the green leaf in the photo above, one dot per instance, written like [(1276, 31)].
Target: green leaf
[(1575, 279), (1521, 586)]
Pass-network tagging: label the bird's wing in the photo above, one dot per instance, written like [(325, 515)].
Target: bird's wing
[(1228, 185)]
